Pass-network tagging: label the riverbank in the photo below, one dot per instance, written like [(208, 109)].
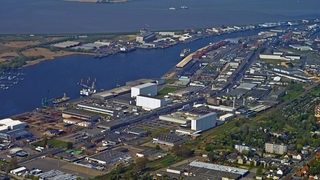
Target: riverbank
[(48, 55), (26, 50)]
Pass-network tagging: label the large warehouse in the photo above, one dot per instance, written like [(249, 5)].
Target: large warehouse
[(204, 122), (9, 124), (147, 89), (150, 103)]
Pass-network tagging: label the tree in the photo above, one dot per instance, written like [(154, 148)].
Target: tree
[(259, 170), (157, 147), (45, 140), (182, 150), (69, 145), (209, 147), (141, 164), (13, 163)]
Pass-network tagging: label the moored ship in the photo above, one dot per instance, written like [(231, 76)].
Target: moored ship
[(88, 90), (61, 100), (185, 52)]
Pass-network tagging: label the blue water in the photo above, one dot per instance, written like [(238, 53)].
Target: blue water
[(58, 16), (52, 78)]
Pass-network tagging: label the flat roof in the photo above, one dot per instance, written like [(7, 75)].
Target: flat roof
[(109, 156), (145, 85), (217, 167), (206, 115), (10, 122), (79, 112), (247, 86), (5, 123), (113, 92)]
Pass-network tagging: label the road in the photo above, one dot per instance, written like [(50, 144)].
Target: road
[(44, 153)]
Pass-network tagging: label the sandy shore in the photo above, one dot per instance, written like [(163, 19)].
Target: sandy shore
[(48, 55)]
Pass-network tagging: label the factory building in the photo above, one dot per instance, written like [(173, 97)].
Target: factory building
[(146, 37), (79, 117), (203, 170), (79, 114), (150, 103), (9, 124), (147, 89), (66, 44), (178, 117), (205, 122), (108, 157), (13, 129)]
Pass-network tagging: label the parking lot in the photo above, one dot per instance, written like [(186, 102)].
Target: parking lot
[(47, 164)]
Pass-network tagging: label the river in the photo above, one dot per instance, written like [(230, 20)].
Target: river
[(50, 79)]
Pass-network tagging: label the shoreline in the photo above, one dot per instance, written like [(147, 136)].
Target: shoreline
[(31, 63)]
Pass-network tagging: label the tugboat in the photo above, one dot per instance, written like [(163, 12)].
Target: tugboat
[(184, 52)]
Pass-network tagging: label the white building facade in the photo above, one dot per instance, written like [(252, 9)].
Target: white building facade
[(205, 122), (150, 103), (148, 89)]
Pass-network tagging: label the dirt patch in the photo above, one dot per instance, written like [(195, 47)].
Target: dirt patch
[(82, 171), (7, 56), (21, 44)]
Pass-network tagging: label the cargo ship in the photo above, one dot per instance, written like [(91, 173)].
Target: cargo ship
[(61, 100), (185, 52)]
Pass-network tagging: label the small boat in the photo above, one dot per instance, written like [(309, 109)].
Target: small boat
[(172, 8), (185, 52), (184, 7)]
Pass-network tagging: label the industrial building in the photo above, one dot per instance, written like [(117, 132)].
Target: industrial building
[(146, 37), (226, 117), (276, 148), (67, 44), (97, 109), (107, 157), (79, 117), (185, 91), (178, 117), (112, 93), (13, 129), (150, 103), (202, 170), (147, 89), (56, 174), (168, 140), (9, 124), (79, 114), (205, 122), (77, 122)]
